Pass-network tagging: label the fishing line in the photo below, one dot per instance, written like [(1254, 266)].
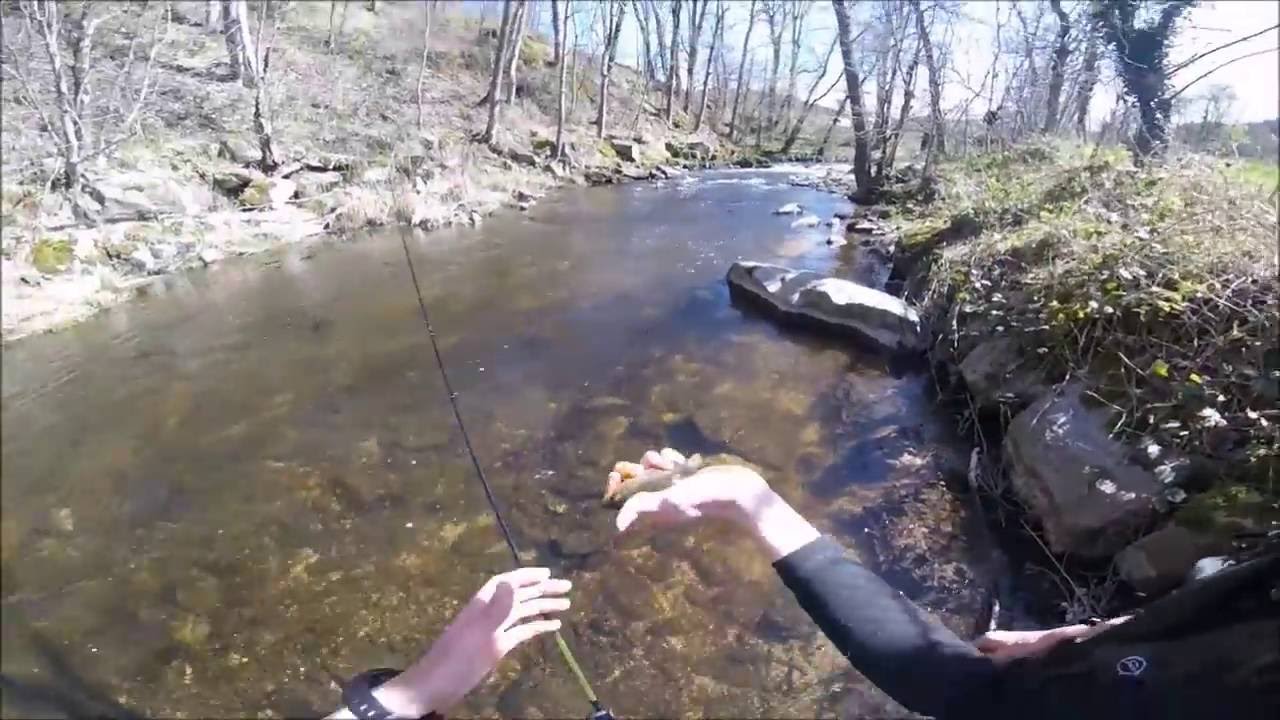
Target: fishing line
[(599, 712)]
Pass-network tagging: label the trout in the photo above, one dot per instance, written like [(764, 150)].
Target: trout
[(648, 480)]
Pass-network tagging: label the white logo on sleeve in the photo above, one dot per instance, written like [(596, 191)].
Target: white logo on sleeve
[(1131, 666)]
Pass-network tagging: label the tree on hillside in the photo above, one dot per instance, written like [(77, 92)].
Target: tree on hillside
[(935, 145), (1058, 68), (799, 13), (514, 44), (742, 64), (561, 29), (494, 97), (776, 14), (672, 70), (717, 32), (1088, 78), (1140, 33), (87, 103), (237, 31), (697, 16), (428, 6), (614, 14)]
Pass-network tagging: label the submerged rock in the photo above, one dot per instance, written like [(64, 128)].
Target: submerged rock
[(807, 221), (830, 303), (789, 209), (1081, 485)]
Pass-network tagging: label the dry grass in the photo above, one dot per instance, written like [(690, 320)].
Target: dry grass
[(1156, 286)]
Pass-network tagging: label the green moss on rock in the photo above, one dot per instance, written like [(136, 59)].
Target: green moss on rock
[(51, 255)]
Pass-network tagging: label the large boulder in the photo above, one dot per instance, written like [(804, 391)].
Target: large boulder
[(238, 150), (311, 184), (264, 192), (843, 306), (626, 151), (995, 373), (1089, 496), (1161, 561), (140, 195)]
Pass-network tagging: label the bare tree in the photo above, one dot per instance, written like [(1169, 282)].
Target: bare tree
[(556, 48), (775, 14), (1058, 68), (717, 31), (646, 47), (614, 14), (213, 15), (936, 145), (835, 120), (697, 16), (514, 46), (427, 7), (495, 77), (561, 30), (742, 63), (853, 80), (260, 64), (1088, 78), (85, 120), (799, 12), (1141, 54), (672, 70), (238, 33), (810, 99)]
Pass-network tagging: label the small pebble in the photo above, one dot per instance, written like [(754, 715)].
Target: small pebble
[(408, 524)]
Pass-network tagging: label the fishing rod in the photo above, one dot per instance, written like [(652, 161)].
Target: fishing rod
[(598, 711)]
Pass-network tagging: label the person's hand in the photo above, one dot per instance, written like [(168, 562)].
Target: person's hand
[(510, 609), (727, 491), (731, 492), (1005, 645)]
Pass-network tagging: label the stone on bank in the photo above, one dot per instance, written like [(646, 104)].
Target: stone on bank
[(842, 306)]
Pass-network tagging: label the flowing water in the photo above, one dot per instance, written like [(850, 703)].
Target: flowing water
[(222, 495)]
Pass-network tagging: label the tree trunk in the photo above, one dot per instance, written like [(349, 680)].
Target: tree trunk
[(1088, 78), (716, 31), (495, 77), (861, 156), (646, 48), (562, 67), (556, 48), (697, 15), (798, 14), (1058, 68), (937, 146), (614, 16), (664, 56), (671, 69), (742, 63), (240, 46), (513, 50), (835, 120), (422, 67), (333, 9), (777, 24), (890, 153), (212, 15)]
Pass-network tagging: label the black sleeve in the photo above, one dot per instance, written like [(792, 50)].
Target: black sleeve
[(887, 638)]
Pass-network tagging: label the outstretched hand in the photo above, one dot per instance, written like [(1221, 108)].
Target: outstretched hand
[(716, 491), (508, 610)]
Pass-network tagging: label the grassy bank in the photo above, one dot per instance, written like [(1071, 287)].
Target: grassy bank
[(1156, 287)]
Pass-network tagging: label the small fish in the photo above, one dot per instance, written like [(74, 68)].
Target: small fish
[(648, 481)]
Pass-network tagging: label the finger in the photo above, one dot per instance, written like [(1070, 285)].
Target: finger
[(533, 608), (622, 467), (554, 586), (673, 456), (523, 633), (641, 503), (656, 461), (525, 576)]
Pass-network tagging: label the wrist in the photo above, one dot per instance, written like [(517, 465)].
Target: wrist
[(776, 524), (408, 695)]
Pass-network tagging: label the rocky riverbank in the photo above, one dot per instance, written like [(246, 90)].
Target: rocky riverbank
[(1108, 337)]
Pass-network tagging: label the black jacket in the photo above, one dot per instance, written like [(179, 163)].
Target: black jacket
[(1172, 661)]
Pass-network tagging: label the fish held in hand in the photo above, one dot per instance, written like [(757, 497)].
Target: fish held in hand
[(636, 478)]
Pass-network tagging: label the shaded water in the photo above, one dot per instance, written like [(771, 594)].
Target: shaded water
[(219, 496)]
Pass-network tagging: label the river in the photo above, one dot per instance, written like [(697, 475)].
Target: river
[(226, 492)]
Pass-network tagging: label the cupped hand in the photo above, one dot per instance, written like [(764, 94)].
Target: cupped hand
[(508, 610), (728, 491)]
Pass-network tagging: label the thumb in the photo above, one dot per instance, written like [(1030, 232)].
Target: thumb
[(502, 603), (638, 505)]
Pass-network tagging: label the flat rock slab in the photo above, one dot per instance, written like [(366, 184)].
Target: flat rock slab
[(841, 307)]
